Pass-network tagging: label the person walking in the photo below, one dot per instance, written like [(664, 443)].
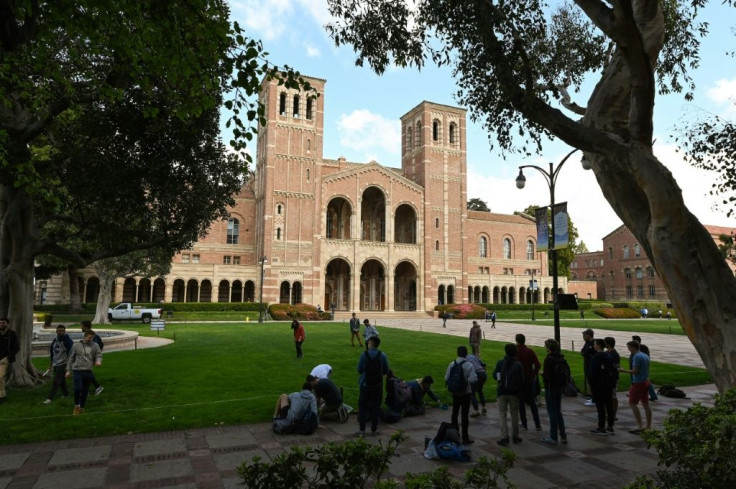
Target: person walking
[(474, 338), (555, 375), (369, 332), (510, 376), (372, 368), (639, 390), (61, 347), (299, 336), (355, 331), (602, 378), (493, 319), (87, 326), (459, 378), (530, 362), (9, 348), (476, 388), (85, 355), (445, 316)]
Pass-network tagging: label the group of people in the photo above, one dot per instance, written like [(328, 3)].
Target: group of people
[(369, 332)]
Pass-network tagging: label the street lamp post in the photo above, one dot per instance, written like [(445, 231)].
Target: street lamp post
[(261, 315), (551, 178), (533, 287)]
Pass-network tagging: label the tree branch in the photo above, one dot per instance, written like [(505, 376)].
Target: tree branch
[(600, 14), (567, 102)]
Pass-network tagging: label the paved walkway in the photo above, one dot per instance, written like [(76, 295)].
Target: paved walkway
[(208, 458)]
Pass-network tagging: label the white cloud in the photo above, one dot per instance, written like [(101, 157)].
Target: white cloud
[(366, 131), (263, 19), (312, 52), (723, 92)]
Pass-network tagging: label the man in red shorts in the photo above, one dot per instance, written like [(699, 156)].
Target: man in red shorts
[(639, 390)]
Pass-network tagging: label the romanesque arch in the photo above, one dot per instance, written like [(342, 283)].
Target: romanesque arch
[(373, 215), (339, 213), (250, 291), (372, 286), (405, 287), (405, 224), (205, 291), (337, 285)]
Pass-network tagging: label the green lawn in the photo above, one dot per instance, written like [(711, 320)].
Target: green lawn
[(662, 326), (232, 373)]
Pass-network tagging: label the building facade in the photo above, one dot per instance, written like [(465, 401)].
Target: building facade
[(622, 271), (359, 236)]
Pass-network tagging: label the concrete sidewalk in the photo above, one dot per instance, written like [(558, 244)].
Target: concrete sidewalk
[(208, 458)]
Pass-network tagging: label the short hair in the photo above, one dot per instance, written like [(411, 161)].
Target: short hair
[(311, 378), (462, 351), (89, 332), (521, 339), (366, 321), (86, 324), (634, 344), (552, 345), (60, 326), (306, 386), (427, 380), (610, 341), (510, 349), (5, 319), (636, 337), (601, 343)]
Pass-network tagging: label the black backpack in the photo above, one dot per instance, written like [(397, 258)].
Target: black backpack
[(512, 376), (561, 373), (456, 382), (669, 390), (373, 370)]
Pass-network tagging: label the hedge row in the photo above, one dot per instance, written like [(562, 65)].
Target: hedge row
[(617, 313), (587, 305), (169, 306), (302, 312)]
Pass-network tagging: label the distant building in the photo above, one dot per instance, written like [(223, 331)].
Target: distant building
[(359, 236), (622, 270)]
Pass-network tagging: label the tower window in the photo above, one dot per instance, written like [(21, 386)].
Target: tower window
[(437, 222), (418, 138), (310, 102), (453, 136), (436, 130), (278, 209), (278, 234), (483, 247), (282, 104), (507, 248), (233, 231), (295, 110), (437, 245), (307, 174)]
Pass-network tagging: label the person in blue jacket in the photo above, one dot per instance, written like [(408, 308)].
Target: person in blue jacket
[(59, 350)]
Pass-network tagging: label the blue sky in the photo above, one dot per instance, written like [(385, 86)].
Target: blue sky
[(362, 113)]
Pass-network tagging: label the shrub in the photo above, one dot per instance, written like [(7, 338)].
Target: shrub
[(697, 446), (617, 313), (463, 311), (358, 464), (301, 312)]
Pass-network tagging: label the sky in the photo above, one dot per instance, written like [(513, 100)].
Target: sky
[(362, 112)]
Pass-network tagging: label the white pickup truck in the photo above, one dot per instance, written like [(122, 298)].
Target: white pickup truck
[(126, 310)]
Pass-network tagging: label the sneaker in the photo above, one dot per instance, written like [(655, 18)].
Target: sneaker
[(539, 428), (523, 427), (609, 430), (360, 434), (589, 402), (517, 439), (503, 442), (475, 414), (563, 440), (77, 410), (468, 441), (47, 401), (99, 390), (599, 431), (549, 440)]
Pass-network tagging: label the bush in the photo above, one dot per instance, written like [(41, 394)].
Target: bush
[(697, 446), (358, 464), (302, 312), (463, 311), (617, 313)]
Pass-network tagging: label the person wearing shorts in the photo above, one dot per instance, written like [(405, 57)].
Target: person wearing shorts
[(639, 390)]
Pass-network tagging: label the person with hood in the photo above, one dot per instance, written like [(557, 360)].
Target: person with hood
[(59, 351), (510, 376), (296, 410), (556, 375), (372, 367), (464, 370), (85, 355)]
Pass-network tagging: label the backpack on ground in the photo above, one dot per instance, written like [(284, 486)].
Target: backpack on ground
[(669, 390), (570, 390), (561, 374), (307, 425), (373, 370), (512, 376), (457, 384), (402, 391), (450, 451)]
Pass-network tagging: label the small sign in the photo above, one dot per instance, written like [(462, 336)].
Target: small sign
[(158, 325), (533, 285)]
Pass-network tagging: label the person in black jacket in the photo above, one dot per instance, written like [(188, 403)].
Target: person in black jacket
[(602, 378), (9, 347), (59, 351), (553, 384)]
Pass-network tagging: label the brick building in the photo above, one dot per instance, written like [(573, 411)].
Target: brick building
[(622, 270), (361, 236)]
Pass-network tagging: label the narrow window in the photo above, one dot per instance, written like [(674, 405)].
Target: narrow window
[(529, 250), (278, 209), (409, 139), (185, 258), (637, 250), (295, 108), (309, 145), (278, 234), (610, 252), (452, 133), (639, 273), (307, 174), (419, 134), (437, 222), (233, 231), (437, 245), (436, 131), (507, 248), (626, 251), (310, 101), (236, 260), (282, 104), (226, 260), (483, 247), (195, 258)]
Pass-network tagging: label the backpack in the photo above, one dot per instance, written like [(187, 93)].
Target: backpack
[(570, 389), (669, 390), (561, 374), (402, 391), (307, 425), (450, 451), (512, 376), (456, 382), (373, 370), (610, 374)]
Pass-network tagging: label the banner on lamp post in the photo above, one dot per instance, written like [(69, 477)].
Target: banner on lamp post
[(559, 225), (542, 229)]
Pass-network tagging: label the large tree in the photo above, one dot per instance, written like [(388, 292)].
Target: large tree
[(478, 204), (146, 79), (516, 64)]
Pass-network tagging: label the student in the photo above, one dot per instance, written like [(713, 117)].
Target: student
[(616, 360), (587, 352), (329, 397), (369, 332), (321, 371), (639, 390), (355, 331), (645, 350), (299, 336), (59, 351), (372, 367), (87, 326), (474, 338), (530, 362), (85, 355), (510, 376), (420, 388), (602, 377), (460, 372), (476, 387), (9, 347), (554, 375), (296, 412)]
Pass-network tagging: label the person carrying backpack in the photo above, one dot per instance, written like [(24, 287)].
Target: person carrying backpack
[(372, 367), (602, 377), (459, 376), (510, 376), (556, 375)]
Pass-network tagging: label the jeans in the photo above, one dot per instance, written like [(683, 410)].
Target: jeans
[(461, 404), (553, 400), (298, 345), (509, 403), (603, 399), (526, 396), (59, 381), (369, 405), (477, 390), (82, 380)]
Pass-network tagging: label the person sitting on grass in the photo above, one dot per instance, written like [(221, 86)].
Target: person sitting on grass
[(329, 397), (296, 412)]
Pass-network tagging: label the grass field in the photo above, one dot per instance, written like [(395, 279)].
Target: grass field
[(223, 374)]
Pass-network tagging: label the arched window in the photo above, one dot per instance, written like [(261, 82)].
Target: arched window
[(650, 272), (278, 233), (278, 209), (437, 245), (418, 138), (507, 248), (482, 247), (409, 139), (626, 251), (530, 250), (610, 252), (639, 273), (436, 130), (282, 104), (307, 174), (637, 250), (437, 222), (310, 102), (295, 109), (233, 230), (309, 145), (627, 273), (452, 134)]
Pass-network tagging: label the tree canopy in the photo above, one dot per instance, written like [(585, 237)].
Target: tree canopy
[(477, 204), (516, 64)]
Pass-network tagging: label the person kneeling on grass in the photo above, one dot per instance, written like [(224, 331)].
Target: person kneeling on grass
[(85, 355), (296, 412), (329, 396)]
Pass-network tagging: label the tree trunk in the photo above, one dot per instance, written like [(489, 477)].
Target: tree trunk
[(18, 247), (75, 300), (104, 297)]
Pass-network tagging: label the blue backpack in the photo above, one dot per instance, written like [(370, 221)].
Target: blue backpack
[(450, 451)]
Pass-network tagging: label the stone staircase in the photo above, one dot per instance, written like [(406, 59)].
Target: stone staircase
[(377, 316)]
